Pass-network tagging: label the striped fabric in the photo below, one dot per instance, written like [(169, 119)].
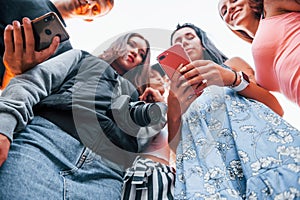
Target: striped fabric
[(148, 180)]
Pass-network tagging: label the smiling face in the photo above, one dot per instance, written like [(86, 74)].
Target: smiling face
[(134, 56), (190, 42), (238, 15)]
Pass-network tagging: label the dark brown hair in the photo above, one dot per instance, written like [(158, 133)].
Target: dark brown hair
[(213, 53)]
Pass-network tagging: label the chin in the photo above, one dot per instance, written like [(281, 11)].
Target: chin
[(194, 57)]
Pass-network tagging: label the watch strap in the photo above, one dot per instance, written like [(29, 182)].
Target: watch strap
[(244, 82), (235, 78)]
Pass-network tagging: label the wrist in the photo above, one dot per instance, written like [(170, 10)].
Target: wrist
[(242, 82), (235, 79)]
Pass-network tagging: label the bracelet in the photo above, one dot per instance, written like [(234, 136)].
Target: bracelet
[(244, 82), (235, 78)]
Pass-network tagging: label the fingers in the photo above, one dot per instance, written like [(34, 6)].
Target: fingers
[(53, 46), (148, 91), (28, 35), (8, 39), (200, 87), (43, 55), (194, 64), (155, 95), (20, 54), (203, 71), (18, 38), (55, 43)]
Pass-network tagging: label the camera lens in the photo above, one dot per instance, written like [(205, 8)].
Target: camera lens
[(154, 113), (48, 31), (47, 19), (162, 57), (145, 113)]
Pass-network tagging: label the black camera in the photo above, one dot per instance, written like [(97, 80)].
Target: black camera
[(131, 116), (144, 114)]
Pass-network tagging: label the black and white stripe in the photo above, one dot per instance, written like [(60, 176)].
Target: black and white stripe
[(148, 180)]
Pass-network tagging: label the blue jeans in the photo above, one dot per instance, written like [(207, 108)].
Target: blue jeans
[(45, 162)]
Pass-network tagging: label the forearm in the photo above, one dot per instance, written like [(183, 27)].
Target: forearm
[(174, 131), (26, 90), (258, 93), (252, 91), (278, 7), (174, 122)]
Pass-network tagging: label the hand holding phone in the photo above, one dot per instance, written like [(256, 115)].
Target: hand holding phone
[(171, 58), (45, 28), (19, 52)]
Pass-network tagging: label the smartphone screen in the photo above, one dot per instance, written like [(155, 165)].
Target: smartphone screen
[(45, 28), (171, 58)]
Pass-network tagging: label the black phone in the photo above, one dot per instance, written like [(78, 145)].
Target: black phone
[(45, 28)]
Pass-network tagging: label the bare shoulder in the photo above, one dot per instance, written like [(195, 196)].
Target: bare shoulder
[(278, 7), (239, 64)]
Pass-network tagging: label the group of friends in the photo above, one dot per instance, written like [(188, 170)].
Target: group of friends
[(221, 136)]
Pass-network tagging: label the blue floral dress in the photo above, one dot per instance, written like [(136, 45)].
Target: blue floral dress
[(235, 148)]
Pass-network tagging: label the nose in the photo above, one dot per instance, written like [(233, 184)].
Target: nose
[(94, 9), (97, 8), (184, 42), (230, 8), (134, 51)]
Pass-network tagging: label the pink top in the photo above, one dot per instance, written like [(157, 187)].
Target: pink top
[(276, 54)]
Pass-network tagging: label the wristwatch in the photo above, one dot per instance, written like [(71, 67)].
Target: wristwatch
[(244, 82)]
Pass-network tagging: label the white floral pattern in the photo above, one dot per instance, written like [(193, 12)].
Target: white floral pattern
[(235, 148)]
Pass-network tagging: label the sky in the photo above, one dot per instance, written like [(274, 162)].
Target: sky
[(155, 20)]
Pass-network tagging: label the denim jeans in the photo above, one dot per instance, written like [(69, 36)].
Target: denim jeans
[(45, 162)]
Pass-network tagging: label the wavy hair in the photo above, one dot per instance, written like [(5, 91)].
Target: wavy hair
[(211, 52), (118, 49)]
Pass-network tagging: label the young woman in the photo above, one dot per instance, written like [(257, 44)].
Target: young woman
[(227, 146), (52, 112), (152, 174), (17, 57), (276, 56)]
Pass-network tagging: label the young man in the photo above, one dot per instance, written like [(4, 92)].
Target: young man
[(16, 57)]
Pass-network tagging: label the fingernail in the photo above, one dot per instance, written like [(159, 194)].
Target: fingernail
[(9, 27), (182, 69), (198, 93), (26, 20)]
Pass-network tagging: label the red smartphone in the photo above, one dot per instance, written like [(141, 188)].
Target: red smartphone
[(171, 58), (45, 28)]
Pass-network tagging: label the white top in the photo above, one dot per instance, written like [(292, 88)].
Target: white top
[(159, 146)]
